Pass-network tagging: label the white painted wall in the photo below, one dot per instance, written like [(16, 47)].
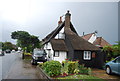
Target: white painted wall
[(93, 38), (61, 34), (62, 56), (50, 53)]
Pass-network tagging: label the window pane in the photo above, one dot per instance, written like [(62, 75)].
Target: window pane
[(56, 54), (87, 55)]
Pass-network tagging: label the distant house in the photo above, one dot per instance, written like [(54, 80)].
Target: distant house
[(97, 41), (65, 43)]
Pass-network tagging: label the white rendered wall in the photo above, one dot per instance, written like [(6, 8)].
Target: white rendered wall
[(49, 51), (93, 38), (61, 34), (62, 56)]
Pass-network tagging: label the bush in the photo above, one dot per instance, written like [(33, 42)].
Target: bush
[(70, 67), (64, 69), (52, 68), (27, 54), (84, 70)]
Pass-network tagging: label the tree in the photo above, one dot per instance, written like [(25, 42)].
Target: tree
[(112, 51), (116, 49), (8, 45), (1, 45), (25, 40), (22, 37)]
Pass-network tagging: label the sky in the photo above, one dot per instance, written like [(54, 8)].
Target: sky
[(40, 17)]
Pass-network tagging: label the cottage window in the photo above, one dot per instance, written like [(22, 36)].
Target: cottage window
[(87, 55), (56, 54)]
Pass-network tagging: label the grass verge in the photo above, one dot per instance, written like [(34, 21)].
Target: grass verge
[(80, 78)]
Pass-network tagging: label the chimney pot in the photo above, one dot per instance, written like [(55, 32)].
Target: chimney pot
[(68, 11), (60, 21)]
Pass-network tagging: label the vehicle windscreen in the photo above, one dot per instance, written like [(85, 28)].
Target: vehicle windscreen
[(39, 52)]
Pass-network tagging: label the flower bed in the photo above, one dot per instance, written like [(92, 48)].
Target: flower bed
[(55, 69)]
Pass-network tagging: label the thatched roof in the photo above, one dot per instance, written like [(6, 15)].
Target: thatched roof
[(58, 45), (56, 31), (77, 42)]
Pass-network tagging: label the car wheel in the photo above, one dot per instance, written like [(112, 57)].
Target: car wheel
[(108, 70)]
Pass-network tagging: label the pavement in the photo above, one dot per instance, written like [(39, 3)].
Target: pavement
[(102, 74), (22, 69)]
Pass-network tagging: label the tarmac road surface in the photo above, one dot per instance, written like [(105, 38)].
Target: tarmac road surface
[(22, 69)]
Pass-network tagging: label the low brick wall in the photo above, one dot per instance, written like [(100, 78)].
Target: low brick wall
[(43, 74)]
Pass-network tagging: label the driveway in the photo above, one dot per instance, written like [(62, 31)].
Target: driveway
[(102, 74)]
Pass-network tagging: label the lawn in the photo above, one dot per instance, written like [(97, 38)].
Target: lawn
[(80, 78)]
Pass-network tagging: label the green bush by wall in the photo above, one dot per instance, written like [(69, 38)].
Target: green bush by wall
[(52, 68)]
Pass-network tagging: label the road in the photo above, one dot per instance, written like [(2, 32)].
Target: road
[(13, 67), (6, 62)]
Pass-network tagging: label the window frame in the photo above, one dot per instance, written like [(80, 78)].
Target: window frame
[(55, 54), (87, 55)]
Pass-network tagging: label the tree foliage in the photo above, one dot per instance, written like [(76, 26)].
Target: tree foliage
[(25, 40), (112, 51), (7, 45)]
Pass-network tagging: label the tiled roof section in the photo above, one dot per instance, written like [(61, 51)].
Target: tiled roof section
[(78, 43), (87, 36), (100, 42), (58, 45)]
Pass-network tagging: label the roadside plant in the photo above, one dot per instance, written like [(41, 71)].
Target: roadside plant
[(52, 68)]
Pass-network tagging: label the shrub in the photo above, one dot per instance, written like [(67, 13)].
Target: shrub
[(70, 67), (64, 69), (27, 54), (84, 70), (89, 71), (52, 68)]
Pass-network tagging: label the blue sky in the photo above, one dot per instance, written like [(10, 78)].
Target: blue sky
[(40, 18)]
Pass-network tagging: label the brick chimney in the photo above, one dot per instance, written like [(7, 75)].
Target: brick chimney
[(67, 20), (60, 21)]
